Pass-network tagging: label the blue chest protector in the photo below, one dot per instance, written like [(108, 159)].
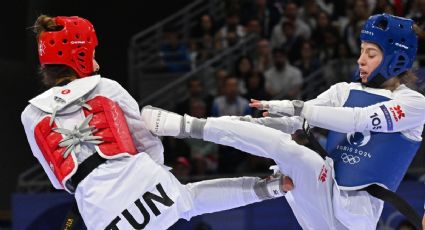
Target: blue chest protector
[(368, 157)]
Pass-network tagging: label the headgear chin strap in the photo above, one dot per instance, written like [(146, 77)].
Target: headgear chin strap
[(72, 46), (398, 42)]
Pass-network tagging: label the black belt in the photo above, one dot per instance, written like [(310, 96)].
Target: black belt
[(84, 169), (375, 190)]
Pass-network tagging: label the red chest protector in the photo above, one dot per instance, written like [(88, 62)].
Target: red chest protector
[(109, 124)]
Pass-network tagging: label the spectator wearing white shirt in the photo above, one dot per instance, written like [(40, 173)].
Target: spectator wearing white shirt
[(283, 78)]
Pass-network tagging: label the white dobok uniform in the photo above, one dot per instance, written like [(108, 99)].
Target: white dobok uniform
[(317, 200), (129, 190)]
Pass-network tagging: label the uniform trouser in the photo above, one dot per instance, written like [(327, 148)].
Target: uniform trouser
[(316, 199), (137, 193)]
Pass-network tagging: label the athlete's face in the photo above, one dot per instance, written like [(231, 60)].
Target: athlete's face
[(370, 58)]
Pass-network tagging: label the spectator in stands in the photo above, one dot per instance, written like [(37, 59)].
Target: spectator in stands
[(342, 68), (203, 36), (309, 62), (220, 77), (231, 30), (263, 56), (203, 154), (243, 68), (292, 42), (267, 15), (291, 15), (232, 39), (253, 27), (308, 13), (231, 103), (206, 48), (196, 91), (205, 26), (328, 49), (323, 24), (255, 87), (174, 52), (358, 17), (283, 78)]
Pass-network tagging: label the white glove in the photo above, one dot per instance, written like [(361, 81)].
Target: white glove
[(285, 124), (279, 108)]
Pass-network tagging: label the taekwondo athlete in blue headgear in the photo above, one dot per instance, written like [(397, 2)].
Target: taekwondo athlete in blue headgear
[(375, 128)]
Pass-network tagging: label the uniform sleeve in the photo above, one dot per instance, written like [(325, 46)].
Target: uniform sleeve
[(144, 140), (334, 96), (28, 118), (405, 112)]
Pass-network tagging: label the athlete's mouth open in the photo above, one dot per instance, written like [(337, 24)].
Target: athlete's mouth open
[(363, 74)]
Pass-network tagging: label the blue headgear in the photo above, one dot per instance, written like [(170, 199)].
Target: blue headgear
[(398, 42)]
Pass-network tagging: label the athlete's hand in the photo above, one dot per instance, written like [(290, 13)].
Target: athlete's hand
[(261, 105), (287, 184), (278, 108)]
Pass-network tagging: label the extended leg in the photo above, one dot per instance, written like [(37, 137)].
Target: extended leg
[(311, 197), (227, 193), (252, 138)]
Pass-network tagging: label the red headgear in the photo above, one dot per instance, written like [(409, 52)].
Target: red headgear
[(73, 45)]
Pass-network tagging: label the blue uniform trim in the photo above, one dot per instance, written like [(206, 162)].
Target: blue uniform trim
[(387, 117)]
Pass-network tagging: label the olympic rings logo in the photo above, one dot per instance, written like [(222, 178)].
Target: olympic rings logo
[(346, 158)]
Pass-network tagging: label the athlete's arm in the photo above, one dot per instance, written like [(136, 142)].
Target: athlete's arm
[(391, 116), (331, 97), (285, 124), (142, 137)]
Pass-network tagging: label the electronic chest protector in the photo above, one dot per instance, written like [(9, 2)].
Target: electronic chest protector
[(368, 157)]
